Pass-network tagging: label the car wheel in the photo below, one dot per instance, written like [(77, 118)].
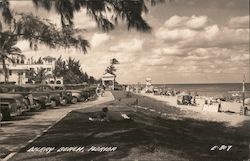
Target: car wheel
[(38, 106), (53, 103), (43, 106), (74, 100)]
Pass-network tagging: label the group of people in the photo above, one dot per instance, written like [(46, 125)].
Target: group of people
[(100, 90)]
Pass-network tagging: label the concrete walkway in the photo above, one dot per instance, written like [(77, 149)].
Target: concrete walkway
[(24, 129)]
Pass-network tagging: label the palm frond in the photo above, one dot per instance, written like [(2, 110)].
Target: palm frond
[(6, 12)]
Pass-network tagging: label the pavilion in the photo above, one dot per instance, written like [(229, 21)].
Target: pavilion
[(108, 81)]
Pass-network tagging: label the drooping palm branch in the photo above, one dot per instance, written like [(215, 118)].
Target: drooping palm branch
[(7, 50)]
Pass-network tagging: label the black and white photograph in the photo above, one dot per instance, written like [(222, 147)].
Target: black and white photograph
[(124, 80)]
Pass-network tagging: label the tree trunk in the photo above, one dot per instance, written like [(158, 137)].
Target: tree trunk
[(5, 69)]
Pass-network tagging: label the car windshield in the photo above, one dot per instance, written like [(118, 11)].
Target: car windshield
[(59, 88), (47, 88), (32, 89)]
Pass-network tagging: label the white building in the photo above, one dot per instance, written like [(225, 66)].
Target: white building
[(17, 70), (108, 80)]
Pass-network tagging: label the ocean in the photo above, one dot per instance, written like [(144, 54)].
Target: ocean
[(213, 89)]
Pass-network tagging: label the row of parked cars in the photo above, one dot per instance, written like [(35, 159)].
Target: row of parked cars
[(16, 99)]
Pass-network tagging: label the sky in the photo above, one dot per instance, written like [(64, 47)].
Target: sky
[(192, 41)]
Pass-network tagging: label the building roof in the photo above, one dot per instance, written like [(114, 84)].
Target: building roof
[(107, 75), (49, 58)]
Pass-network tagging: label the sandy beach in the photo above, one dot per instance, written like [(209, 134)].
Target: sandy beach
[(232, 118)]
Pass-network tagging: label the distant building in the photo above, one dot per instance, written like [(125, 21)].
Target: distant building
[(18, 68), (108, 81), (149, 87)]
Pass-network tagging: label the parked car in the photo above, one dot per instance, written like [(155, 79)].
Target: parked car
[(118, 87), (11, 105), (43, 98), (61, 97), (89, 92), (76, 94), (29, 101), (184, 99)]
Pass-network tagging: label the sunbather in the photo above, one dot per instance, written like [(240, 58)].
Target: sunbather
[(107, 115)]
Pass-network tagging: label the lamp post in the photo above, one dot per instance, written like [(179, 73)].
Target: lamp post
[(243, 96)]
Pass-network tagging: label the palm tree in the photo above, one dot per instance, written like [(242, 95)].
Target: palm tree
[(129, 11), (39, 30), (111, 68), (41, 75), (7, 50), (38, 76)]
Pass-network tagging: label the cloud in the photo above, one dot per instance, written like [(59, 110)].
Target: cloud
[(130, 46), (83, 21), (213, 36), (208, 54), (168, 51), (193, 22), (175, 35), (155, 61), (99, 38), (239, 22), (208, 36)]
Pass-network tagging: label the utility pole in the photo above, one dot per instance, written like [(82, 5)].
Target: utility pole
[(243, 96)]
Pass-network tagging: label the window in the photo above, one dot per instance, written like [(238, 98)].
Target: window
[(58, 82), (58, 88), (49, 69)]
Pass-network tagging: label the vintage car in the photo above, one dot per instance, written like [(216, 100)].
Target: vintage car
[(81, 92), (118, 87), (42, 98), (60, 96), (11, 105), (30, 102), (57, 97), (77, 93), (89, 92), (184, 99)]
